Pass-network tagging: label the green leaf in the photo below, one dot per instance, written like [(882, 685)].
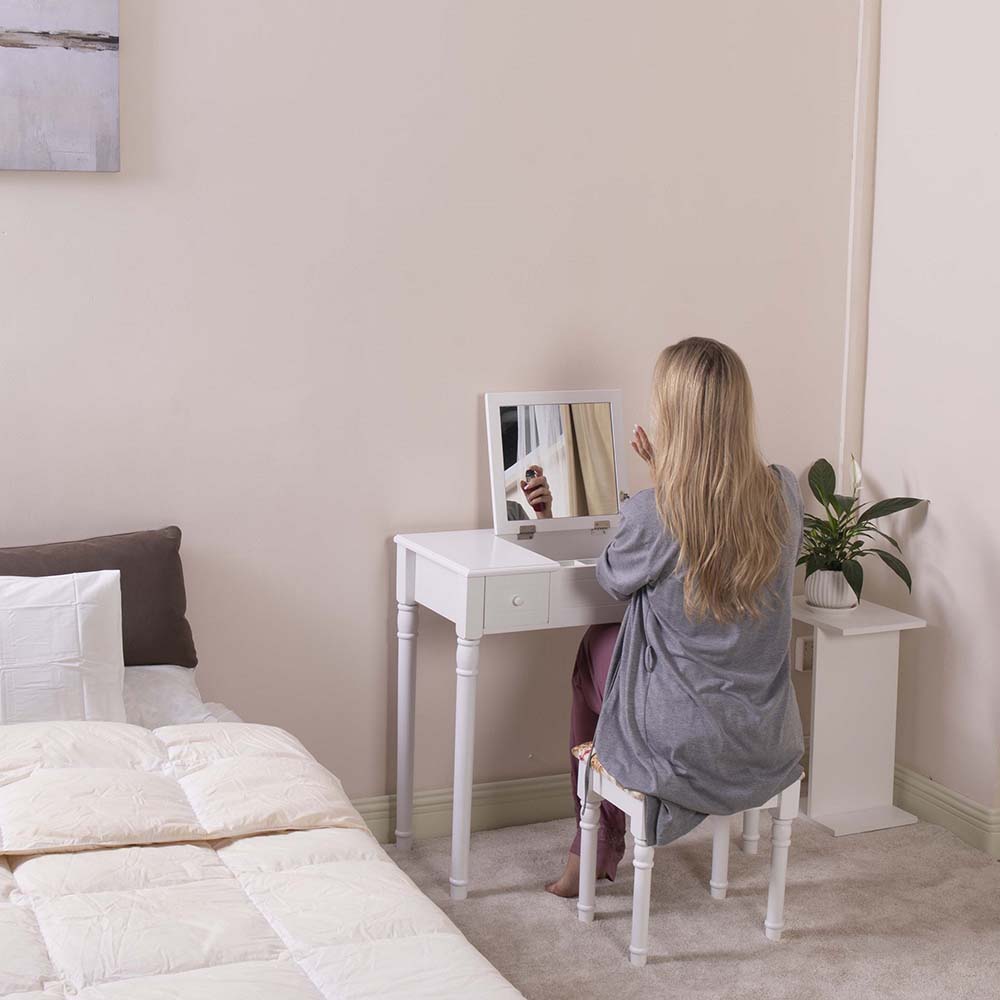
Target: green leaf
[(885, 507), (896, 565), (822, 525), (854, 575), (803, 559), (815, 563), (822, 481), (843, 505), (870, 529)]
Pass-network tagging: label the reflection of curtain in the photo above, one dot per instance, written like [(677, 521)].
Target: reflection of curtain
[(540, 441), (537, 427), (590, 457), (576, 497)]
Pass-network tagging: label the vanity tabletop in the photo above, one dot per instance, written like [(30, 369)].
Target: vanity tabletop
[(477, 552)]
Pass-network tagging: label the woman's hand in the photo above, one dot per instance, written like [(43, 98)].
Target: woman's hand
[(642, 446), (536, 492)]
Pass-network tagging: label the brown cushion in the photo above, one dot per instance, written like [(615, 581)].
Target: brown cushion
[(154, 629)]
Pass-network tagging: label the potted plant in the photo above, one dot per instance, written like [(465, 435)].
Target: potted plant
[(834, 544)]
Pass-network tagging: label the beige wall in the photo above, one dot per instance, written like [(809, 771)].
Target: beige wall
[(931, 415), (337, 224)]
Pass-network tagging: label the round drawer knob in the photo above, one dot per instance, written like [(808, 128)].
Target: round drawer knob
[(517, 600)]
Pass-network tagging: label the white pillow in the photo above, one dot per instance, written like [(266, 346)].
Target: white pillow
[(161, 695), (61, 648), (167, 695)]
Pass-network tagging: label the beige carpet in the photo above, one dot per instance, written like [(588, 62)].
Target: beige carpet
[(911, 913)]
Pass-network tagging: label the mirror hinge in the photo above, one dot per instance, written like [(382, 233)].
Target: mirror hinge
[(525, 532)]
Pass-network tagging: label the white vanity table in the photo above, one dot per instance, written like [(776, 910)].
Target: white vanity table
[(527, 572)]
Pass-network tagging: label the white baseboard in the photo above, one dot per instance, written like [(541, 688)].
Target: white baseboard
[(497, 804), (494, 804), (933, 802), (973, 822)]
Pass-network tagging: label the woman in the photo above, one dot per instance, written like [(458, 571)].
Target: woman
[(690, 699)]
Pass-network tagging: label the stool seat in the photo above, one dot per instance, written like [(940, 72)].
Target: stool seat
[(604, 786), (585, 751)]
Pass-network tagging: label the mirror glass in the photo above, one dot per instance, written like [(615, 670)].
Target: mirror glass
[(558, 460)]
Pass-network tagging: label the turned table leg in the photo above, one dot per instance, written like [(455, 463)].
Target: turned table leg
[(406, 680), (466, 673)]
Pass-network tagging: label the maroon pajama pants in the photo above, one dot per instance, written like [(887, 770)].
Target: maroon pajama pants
[(590, 674)]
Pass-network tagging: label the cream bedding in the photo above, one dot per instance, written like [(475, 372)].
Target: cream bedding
[(205, 862)]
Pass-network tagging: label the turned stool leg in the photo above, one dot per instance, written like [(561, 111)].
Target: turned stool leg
[(781, 839), (720, 857), (589, 823), (751, 831), (643, 864)]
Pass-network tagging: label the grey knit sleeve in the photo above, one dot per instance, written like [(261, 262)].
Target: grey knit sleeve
[(641, 551)]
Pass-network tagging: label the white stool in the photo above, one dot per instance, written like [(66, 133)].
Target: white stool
[(633, 804)]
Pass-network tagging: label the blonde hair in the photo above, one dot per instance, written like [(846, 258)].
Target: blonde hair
[(714, 493)]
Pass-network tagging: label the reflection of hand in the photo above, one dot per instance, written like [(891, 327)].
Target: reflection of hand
[(536, 492), (642, 446)]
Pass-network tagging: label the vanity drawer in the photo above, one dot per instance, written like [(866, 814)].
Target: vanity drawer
[(578, 599), (518, 601)]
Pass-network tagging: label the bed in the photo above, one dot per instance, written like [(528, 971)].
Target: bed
[(204, 861), (155, 847)]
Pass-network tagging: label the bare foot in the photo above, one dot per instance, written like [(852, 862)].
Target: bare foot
[(568, 884)]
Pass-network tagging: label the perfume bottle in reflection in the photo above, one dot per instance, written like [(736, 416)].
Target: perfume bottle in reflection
[(529, 474)]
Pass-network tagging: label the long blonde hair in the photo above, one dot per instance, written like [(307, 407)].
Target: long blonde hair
[(714, 493)]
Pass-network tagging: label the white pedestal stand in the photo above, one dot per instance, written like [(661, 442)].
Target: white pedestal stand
[(852, 749)]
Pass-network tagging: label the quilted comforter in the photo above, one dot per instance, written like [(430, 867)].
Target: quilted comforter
[(205, 862)]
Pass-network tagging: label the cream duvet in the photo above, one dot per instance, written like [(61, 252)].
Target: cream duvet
[(205, 861)]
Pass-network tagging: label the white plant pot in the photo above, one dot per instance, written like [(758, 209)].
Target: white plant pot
[(828, 588)]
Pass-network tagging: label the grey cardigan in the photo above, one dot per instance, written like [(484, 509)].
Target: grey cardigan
[(700, 716)]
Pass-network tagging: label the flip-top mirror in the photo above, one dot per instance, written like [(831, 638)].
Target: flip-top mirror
[(555, 460)]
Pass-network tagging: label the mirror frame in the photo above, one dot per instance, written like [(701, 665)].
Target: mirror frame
[(495, 400)]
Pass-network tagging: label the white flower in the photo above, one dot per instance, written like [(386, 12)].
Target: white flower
[(855, 477)]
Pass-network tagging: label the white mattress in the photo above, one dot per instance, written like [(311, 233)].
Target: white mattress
[(167, 695), (205, 862)]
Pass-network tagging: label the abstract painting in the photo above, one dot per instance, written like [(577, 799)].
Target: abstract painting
[(59, 85)]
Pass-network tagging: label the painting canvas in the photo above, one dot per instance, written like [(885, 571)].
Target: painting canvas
[(59, 85)]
